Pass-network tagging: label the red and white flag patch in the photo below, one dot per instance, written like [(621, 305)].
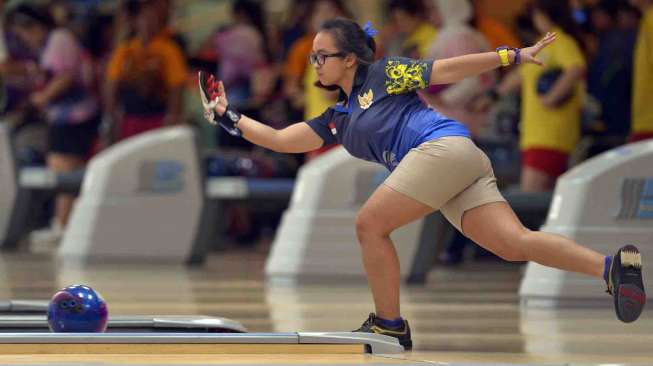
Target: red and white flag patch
[(332, 126)]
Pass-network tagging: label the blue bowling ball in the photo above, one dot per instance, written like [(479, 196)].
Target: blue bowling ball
[(77, 309)]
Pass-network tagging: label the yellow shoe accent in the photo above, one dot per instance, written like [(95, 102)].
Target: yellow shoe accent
[(379, 330)]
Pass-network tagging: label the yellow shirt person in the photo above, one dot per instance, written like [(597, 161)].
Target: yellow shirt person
[(316, 100), (642, 115), (554, 128), (421, 40)]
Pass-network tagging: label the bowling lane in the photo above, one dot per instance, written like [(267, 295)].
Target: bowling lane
[(241, 359), (468, 315), (191, 349)]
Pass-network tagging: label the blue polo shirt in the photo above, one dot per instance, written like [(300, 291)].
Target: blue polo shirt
[(383, 118)]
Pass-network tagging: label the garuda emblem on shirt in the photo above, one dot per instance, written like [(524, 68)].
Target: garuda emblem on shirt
[(366, 99)]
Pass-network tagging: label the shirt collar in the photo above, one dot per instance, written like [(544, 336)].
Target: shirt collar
[(361, 75), (359, 79)]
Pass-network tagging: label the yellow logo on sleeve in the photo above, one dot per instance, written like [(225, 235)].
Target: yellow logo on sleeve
[(404, 77)]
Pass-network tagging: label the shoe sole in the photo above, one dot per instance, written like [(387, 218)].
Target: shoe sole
[(629, 298)]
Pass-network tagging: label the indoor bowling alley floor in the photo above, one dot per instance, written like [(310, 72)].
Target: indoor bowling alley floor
[(467, 315)]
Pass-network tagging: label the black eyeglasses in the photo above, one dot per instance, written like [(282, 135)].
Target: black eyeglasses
[(320, 58)]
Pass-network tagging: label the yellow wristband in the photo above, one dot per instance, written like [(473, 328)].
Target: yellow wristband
[(503, 56)]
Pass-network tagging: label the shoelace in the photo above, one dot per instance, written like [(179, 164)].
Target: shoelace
[(370, 320)]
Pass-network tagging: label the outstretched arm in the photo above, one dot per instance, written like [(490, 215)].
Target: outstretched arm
[(297, 138), (451, 70)]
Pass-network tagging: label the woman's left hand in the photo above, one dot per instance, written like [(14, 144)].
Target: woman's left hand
[(528, 54)]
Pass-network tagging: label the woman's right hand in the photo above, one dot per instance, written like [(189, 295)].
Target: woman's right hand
[(222, 101), (214, 97)]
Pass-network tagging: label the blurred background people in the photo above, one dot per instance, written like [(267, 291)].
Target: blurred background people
[(67, 98), (457, 37), (551, 98), (144, 55), (145, 76), (642, 112)]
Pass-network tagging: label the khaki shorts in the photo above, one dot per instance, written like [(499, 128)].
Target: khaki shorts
[(449, 174)]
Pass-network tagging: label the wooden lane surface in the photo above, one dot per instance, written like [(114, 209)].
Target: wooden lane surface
[(466, 315), (190, 349), (177, 359), (454, 358), (467, 358)]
